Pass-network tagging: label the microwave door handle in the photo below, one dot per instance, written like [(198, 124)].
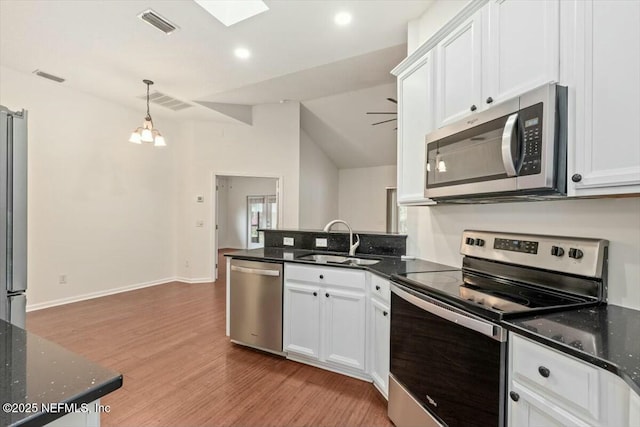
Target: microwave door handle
[(507, 154)]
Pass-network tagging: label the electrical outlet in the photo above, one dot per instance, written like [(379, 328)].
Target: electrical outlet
[(287, 241), (186, 264), (321, 243), (200, 199), (199, 223), (62, 279)]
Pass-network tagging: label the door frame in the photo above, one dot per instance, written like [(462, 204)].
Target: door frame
[(213, 237)]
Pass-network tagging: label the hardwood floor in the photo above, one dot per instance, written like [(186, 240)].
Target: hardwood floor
[(181, 370)]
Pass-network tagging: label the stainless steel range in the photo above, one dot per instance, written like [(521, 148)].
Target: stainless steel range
[(448, 349)]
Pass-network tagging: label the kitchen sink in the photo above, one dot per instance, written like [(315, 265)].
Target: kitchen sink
[(338, 259)]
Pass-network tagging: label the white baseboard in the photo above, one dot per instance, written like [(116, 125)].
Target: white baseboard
[(196, 280), (98, 294)]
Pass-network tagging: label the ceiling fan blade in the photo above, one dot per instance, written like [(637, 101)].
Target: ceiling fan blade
[(392, 100), (384, 121), (381, 112)]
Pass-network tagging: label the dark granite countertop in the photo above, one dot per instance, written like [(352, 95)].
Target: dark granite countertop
[(608, 337), (35, 371), (387, 266)]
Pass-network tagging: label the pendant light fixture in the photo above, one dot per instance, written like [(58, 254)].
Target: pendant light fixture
[(147, 133)]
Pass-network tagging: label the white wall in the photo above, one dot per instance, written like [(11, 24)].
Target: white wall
[(363, 196), (101, 209), (318, 185), (422, 29), (268, 148), (238, 189), (434, 232)]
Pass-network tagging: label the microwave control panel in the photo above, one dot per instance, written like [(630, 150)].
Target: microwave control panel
[(532, 137)]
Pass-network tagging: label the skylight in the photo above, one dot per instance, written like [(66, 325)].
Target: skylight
[(231, 12)]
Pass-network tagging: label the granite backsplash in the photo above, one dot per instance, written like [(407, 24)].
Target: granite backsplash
[(338, 241)]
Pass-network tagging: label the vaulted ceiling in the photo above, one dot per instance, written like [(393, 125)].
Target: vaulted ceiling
[(298, 53)]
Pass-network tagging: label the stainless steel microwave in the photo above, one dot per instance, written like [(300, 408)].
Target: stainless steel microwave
[(513, 151)]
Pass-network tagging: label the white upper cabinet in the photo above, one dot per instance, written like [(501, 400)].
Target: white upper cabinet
[(522, 47), (459, 76), (415, 120), (606, 143), (503, 50)]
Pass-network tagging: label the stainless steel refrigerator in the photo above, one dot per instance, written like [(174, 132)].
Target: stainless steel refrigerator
[(13, 215)]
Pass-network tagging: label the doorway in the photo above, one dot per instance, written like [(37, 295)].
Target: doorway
[(243, 206)]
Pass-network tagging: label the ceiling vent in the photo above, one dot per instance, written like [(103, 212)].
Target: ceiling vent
[(48, 76), (163, 100), (153, 18)]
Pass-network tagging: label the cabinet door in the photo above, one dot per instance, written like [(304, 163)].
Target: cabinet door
[(344, 322), (459, 72), (415, 120), (301, 319), (531, 410), (522, 47), (380, 323), (607, 134)]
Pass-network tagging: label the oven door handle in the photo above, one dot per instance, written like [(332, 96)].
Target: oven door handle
[(451, 314), (507, 150)]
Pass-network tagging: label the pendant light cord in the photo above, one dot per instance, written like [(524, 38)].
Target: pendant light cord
[(148, 115)]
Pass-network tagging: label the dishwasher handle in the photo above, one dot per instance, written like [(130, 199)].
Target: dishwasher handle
[(258, 271)]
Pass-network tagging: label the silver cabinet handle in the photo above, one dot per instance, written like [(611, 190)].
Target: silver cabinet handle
[(451, 314), (257, 271), (507, 135)]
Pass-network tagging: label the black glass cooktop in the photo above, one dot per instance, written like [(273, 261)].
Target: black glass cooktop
[(491, 297)]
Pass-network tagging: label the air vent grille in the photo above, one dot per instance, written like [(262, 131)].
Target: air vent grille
[(48, 76), (153, 18), (167, 101)]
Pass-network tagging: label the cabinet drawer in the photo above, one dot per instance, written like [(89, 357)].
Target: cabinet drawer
[(380, 288), (573, 382), (334, 276)]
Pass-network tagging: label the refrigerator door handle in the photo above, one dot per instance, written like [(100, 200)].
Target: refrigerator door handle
[(5, 120), (17, 203)]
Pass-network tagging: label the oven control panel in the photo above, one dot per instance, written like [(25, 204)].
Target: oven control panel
[(526, 246), (572, 255)]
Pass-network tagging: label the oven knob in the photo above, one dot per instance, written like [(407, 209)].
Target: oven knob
[(575, 253), (479, 242), (470, 241), (557, 251)]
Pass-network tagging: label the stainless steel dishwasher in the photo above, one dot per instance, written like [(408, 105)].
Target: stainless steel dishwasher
[(256, 304)]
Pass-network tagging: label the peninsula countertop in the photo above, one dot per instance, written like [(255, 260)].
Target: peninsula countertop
[(36, 372)]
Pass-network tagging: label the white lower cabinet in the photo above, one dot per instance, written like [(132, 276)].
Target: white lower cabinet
[(345, 327), (380, 324), (548, 388), (302, 319), (324, 317)]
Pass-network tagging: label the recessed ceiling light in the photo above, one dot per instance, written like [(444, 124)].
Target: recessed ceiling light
[(342, 18), (230, 12), (242, 53)]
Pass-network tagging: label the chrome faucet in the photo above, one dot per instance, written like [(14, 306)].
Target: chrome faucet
[(352, 246)]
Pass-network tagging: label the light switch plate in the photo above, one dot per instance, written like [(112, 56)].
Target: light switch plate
[(287, 241), (321, 243)]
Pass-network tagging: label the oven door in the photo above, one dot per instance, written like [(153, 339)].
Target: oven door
[(447, 366)]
